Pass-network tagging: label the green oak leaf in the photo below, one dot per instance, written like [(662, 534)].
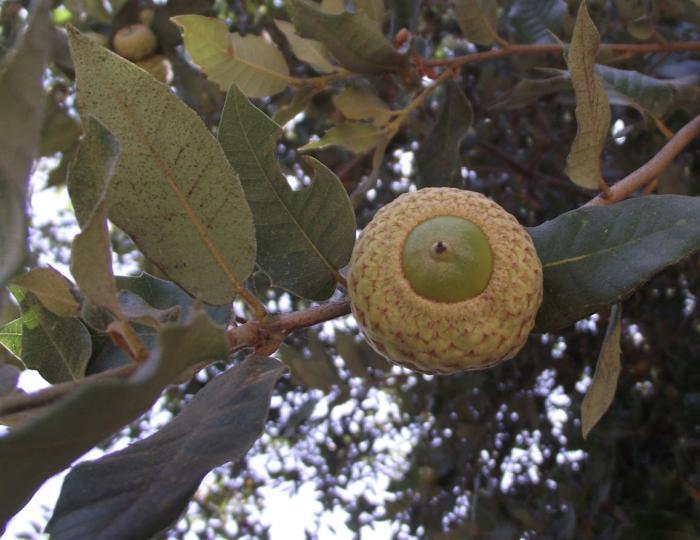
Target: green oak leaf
[(303, 236)]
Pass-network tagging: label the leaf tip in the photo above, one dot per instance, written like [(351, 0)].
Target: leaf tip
[(177, 21), (311, 145)]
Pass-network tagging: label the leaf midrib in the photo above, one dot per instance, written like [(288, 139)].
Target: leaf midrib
[(623, 245), (277, 195), (170, 181), (228, 56)]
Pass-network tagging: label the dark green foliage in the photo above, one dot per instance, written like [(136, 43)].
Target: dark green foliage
[(595, 256), (219, 425)]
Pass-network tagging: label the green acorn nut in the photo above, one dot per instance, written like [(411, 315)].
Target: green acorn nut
[(135, 42), (444, 280)]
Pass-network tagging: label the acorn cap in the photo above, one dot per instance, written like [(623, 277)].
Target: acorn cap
[(444, 280)]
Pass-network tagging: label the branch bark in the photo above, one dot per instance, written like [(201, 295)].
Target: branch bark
[(510, 50), (648, 172), (286, 322)]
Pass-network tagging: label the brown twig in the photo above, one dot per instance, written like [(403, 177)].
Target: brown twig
[(286, 322), (633, 48), (652, 168)]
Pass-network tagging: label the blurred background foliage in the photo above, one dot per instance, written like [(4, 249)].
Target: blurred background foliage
[(494, 454)]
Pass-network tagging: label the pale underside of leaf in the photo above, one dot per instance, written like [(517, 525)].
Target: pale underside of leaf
[(356, 137), (251, 62), (307, 50), (360, 103), (601, 392), (137, 309), (173, 190), (91, 260), (52, 289), (91, 263), (92, 169), (592, 107)]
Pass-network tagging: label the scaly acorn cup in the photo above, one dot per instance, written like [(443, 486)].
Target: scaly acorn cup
[(444, 280)]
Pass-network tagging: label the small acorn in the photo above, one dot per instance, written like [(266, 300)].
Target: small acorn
[(158, 66), (135, 42), (444, 280)]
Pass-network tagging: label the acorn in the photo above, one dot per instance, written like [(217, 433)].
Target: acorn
[(444, 280), (135, 42)]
